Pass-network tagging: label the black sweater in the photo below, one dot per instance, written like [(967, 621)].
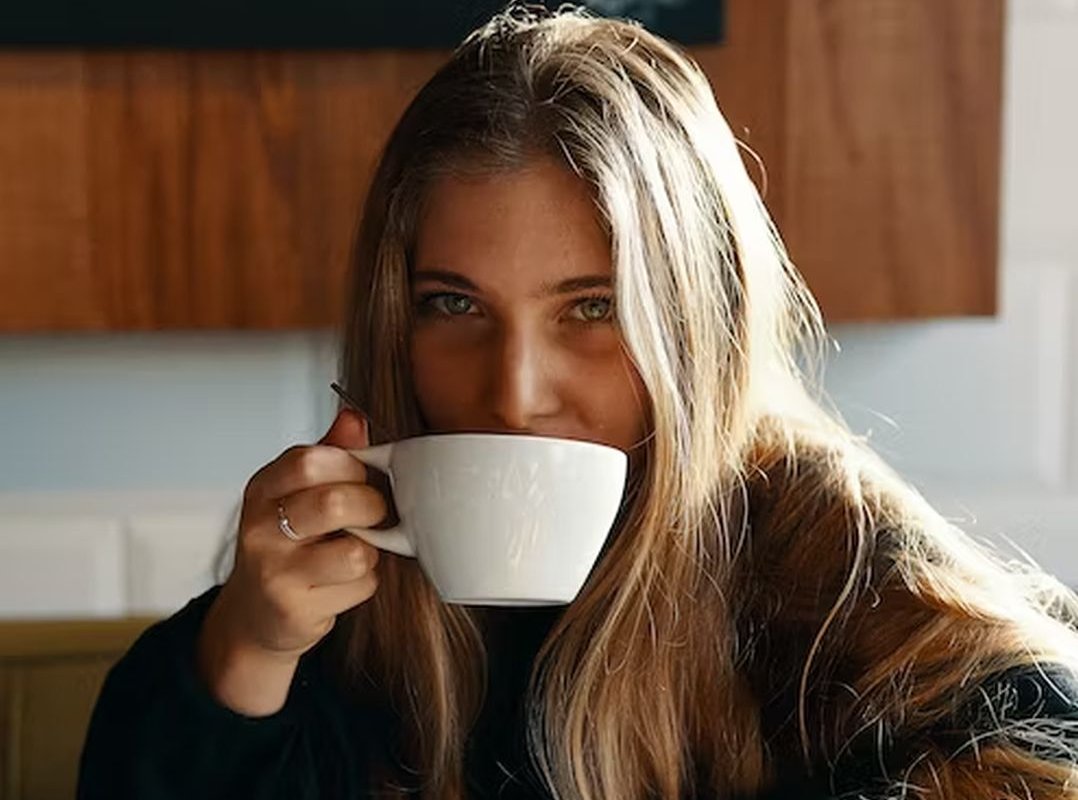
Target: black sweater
[(158, 734)]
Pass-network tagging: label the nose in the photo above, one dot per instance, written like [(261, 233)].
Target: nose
[(524, 380)]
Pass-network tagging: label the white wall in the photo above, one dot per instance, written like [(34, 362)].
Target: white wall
[(153, 411), (122, 459), (983, 414), (121, 456)]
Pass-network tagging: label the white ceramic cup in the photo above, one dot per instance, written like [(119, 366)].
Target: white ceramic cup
[(500, 519)]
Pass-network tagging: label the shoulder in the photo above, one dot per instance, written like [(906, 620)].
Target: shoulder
[(1035, 691), (1034, 707), (1031, 709), (168, 638)]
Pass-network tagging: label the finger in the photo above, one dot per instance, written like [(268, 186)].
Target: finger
[(350, 430), (329, 562), (324, 509), (302, 467), (343, 596)]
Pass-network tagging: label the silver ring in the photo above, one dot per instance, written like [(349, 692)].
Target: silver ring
[(285, 525)]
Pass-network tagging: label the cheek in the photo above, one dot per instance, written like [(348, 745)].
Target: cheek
[(441, 377), (634, 417), (615, 398)]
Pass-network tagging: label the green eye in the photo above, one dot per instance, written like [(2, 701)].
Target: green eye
[(450, 304), (457, 304), (594, 309)]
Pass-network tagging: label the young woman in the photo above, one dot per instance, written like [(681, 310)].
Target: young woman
[(561, 239)]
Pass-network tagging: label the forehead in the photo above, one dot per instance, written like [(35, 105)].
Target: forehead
[(525, 226)]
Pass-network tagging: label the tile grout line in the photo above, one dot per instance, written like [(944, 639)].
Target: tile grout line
[(1070, 399), (1052, 377)]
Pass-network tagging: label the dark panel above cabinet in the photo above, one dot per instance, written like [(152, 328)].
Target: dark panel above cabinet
[(390, 24)]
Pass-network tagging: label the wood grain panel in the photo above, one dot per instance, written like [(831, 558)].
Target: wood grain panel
[(213, 190), (46, 273), (180, 190), (891, 176), (140, 159), (748, 77)]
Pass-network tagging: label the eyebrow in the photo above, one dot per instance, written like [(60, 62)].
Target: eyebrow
[(567, 286)]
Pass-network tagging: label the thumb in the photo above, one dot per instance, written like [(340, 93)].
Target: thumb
[(349, 430)]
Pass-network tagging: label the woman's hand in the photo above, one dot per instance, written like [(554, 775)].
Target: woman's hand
[(283, 596)]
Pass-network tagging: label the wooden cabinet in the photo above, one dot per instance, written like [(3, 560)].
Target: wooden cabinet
[(50, 675), (207, 190), (152, 190)]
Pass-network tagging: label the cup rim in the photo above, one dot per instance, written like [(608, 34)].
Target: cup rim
[(502, 435)]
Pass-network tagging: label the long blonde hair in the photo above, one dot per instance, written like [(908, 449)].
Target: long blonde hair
[(773, 591)]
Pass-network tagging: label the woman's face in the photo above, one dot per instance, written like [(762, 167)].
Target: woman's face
[(514, 326)]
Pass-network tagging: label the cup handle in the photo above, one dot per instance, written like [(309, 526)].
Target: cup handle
[(397, 539)]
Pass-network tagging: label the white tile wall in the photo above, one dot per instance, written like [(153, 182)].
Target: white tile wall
[(964, 397), (69, 555), (1040, 524), (1040, 242), (171, 557), (61, 565)]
